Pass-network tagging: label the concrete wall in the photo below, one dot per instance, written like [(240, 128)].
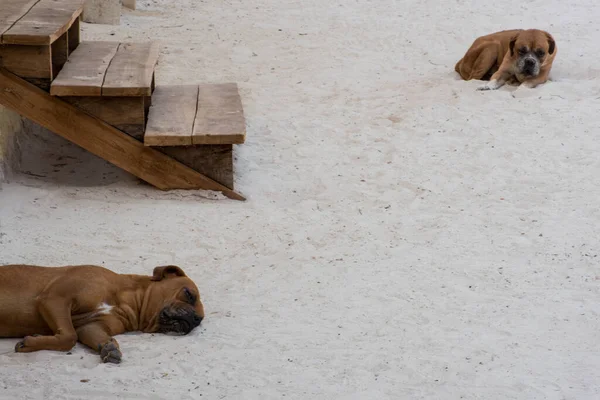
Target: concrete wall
[(102, 12), (10, 125)]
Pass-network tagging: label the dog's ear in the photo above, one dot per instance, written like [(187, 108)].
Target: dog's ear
[(511, 45), (551, 44), (167, 271)]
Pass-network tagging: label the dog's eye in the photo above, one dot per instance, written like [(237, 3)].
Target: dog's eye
[(540, 53), (523, 51), (189, 297)]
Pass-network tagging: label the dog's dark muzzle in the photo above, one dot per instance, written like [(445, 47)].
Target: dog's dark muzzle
[(178, 320), (529, 66)]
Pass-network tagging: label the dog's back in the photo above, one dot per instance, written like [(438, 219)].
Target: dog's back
[(485, 55)]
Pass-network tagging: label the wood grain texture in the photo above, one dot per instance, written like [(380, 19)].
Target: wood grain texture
[(27, 61), (84, 72), (220, 116), (214, 161), (45, 22), (11, 11), (131, 70), (171, 116), (101, 139), (127, 114)]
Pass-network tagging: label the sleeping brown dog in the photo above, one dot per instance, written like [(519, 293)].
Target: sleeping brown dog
[(515, 56), (53, 308)]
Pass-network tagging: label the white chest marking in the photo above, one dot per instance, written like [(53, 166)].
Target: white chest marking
[(104, 309)]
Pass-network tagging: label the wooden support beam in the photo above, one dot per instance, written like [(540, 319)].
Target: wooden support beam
[(102, 139)]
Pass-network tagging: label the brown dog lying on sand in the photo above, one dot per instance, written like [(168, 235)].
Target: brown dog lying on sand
[(53, 308), (514, 56)]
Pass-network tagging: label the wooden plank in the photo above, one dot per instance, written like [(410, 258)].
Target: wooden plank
[(60, 53), (220, 115), (101, 139), (27, 61), (13, 10), (214, 161), (131, 70), (127, 114), (74, 35), (45, 22), (171, 116), (84, 72)]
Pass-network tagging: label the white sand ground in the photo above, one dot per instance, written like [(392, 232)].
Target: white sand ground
[(405, 236)]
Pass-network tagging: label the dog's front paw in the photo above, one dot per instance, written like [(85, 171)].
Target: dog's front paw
[(491, 85), (110, 353), (24, 346), (20, 346)]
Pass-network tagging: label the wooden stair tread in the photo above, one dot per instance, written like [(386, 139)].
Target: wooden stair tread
[(108, 69), (40, 22), (218, 116), (12, 11), (83, 73), (131, 70), (171, 116)]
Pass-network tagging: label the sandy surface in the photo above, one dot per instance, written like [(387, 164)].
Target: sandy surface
[(405, 236)]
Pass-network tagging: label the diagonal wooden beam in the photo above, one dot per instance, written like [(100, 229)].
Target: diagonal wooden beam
[(101, 139)]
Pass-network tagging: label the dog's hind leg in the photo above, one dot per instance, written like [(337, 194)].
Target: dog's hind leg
[(463, 67), (458, 67), (487, 59), (56, 312)]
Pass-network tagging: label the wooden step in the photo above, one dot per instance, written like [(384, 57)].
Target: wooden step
[(37, 36), (36, 22), (196, 115), (112, 81), (101, 139), (197, 125), (108, 69)]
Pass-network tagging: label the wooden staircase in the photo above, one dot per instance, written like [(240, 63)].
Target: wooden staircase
[(102, 97)]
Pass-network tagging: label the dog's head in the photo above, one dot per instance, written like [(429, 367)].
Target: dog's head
[(531, 50), (173, 302)]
